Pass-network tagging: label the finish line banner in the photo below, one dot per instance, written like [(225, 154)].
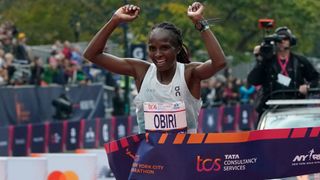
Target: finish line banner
[(262, 154)]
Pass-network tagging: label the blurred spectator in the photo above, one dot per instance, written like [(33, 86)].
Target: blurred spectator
[(237, 84), (48, 74), (75, 74), (205, 90), (246, 92), (7, 45), (218, 95), (230, 97), (7, 32), (67, 49), (60, 76), (76, 55), (57, 46), (54, 73), (55, 51), (36, 71), (9, 58), (118, 102), (109, 79), (2, 61), (86, 69), (3, 76), (21, 50), (216, 91)]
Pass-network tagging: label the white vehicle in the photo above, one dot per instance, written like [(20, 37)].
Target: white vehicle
[(292, 114)]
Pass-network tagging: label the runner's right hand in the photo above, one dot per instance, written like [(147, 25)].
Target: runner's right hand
[(126, 13)]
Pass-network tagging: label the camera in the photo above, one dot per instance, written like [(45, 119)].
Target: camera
[(63, 107), (268, 46)]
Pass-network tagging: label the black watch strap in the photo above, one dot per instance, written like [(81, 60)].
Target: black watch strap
[(201, 25)]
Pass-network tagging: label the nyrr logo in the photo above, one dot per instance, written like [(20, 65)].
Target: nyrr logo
[(311, 156), (208, 164)]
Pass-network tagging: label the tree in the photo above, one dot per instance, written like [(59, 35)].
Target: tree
[(47, 20)]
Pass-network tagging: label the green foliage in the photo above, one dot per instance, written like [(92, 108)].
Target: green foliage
[(47, 20)]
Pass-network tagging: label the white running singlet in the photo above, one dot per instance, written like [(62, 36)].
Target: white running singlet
[(177, 90)]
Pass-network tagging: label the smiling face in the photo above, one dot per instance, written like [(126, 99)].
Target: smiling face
[(162, 50)]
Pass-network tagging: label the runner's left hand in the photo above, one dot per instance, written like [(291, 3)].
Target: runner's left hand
[(195, 11)]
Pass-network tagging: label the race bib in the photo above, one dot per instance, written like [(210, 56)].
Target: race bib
[(165, 116), (284, 80)]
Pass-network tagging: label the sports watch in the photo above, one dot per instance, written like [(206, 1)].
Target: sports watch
[(202, 25)]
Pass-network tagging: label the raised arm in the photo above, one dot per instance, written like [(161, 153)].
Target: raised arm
[(94, 51), (217, 58)]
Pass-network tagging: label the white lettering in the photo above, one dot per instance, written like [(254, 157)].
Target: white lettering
[(20, 141), (3, 143), (300, 158), (316, 157), (232, 156), (87, 104), (38, 139)]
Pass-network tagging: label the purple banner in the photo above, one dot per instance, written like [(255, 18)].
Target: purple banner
[(38, 138), (90, 133), (229, 119), (21, 135), (4, 141), (18, 108), (246, 119), (211, 121), (73, 135), (56, 139), (121, 124), (255, 155), (106, 130)]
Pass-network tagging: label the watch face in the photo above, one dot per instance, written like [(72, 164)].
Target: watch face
[(204, 23), (199, 26)]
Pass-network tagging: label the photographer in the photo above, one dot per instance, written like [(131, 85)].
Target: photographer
[(278, 68)]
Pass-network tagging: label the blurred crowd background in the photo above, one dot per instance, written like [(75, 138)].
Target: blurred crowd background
[(65, 65), (41, 42)]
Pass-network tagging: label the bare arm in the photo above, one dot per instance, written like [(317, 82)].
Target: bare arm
[(94, 51), (217, 59)]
